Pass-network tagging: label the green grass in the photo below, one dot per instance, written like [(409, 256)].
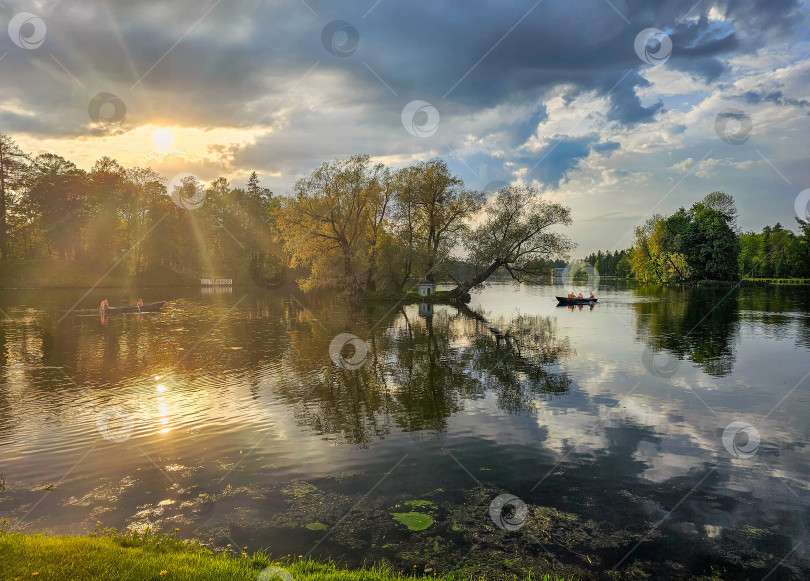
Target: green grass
[(110, 556), (802, 281)]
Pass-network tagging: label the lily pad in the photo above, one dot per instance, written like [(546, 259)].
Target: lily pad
[(415, 521), (317, 526)]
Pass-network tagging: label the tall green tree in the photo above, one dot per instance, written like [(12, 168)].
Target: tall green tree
[(13, 164), (256, 191), (106, 231), (723, 203), (442, 207), (328, 224), (695, 244), (710, 244), (515, 232), (57, 191)]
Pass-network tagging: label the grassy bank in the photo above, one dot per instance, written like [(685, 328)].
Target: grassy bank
[(781, 281), (129, 557)]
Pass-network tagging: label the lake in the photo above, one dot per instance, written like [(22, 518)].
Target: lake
[(661, 432)]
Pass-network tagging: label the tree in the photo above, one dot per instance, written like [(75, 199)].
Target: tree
[(56, 190), (645, 260), (802, 248), (623, 268), (380, 193), (105, 230), (515, 233), (711, 246), (257, 192), (442, 206), (329, 223), (402, 247), (142, 188), (671, 241), (13, 163), (723, 203), (699, 243)]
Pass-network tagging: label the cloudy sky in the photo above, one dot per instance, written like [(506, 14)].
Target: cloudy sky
[(618, 108)]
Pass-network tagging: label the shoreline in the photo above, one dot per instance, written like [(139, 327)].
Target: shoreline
[(48, 274), (110, 555)]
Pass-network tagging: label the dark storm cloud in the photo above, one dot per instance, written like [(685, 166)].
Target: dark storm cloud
[(625, 106), (237, 64), (561, 155), (775, 97)]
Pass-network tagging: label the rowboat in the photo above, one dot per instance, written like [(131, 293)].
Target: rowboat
[(144, 308), (577, 301)]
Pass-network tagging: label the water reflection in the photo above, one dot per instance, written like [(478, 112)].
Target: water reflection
[(418, 370), (699, 324), (240, 425)]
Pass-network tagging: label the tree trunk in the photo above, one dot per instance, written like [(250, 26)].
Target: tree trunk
[(371, 284), (465, 287), (3, 232), (405, 276), (678, 270)]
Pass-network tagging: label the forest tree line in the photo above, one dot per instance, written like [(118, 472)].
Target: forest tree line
[(354, 225), (704, 243), (50, 208), (350, 224)]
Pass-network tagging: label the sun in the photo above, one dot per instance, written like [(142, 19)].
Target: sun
[(162, 138)]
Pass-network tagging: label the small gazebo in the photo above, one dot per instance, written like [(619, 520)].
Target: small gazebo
[(426, 288)]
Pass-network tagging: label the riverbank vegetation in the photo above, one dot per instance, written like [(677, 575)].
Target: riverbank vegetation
[(56, 213), (350, 225), (147, 558), (360, 227), (704, 243)]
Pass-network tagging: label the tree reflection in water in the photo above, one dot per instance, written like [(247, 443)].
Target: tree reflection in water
[(420, 370), (700, 324)]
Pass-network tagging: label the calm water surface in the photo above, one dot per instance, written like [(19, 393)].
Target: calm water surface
[(225, 417)]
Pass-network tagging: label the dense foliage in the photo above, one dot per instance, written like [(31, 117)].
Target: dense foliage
[(351, 224), (359, 226), (703, 243), (611, 264), (776, 252), (113, 214)]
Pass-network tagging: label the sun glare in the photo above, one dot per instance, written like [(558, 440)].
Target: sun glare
[(162, 138)]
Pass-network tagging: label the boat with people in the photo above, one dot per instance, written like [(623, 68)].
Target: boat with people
[(573, 299), (140, 307)]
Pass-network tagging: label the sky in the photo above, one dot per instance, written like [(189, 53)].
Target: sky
[(616, 108)]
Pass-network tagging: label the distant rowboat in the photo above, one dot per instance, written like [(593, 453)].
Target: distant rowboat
[(144, 308), (576, 301)]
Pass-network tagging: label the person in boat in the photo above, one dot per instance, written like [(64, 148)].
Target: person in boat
[(140, 302), (571, 295), (593, 297), (580, 296), (104, 305)]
